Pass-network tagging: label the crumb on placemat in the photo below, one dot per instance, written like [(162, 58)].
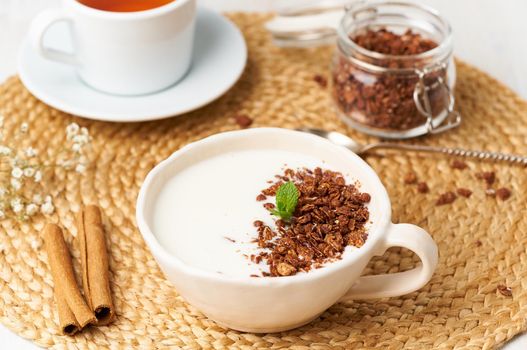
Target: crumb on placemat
[(321, 80), (422, 187), (243, 120), (503, 193), (458, 164), (410, 178), (446, 198), (504, 290), (464, 192), (490, 192), (488, 176)]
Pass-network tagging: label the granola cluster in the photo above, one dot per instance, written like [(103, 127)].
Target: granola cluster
[(329, 216)]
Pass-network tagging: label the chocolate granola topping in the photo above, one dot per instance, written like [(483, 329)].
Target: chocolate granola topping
[(330, 215)]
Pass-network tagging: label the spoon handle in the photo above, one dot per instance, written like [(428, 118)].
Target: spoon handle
[(459, 152)]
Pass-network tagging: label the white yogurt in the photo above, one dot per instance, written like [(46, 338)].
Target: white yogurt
[(205, 206)]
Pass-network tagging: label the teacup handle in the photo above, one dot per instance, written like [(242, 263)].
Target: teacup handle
[(390, 285), (39, 26)]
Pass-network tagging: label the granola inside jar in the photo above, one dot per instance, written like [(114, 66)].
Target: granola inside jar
[(393, 72)]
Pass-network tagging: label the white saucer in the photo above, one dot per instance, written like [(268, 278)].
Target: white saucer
[(220, 55)]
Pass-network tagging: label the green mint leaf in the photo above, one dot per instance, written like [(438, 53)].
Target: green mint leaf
[(275, 212), (286, 201)]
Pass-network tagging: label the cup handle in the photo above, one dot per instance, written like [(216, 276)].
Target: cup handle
[(39, 26), (390, 285)]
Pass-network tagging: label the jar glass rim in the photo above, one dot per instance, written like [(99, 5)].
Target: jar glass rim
[(442, 49)]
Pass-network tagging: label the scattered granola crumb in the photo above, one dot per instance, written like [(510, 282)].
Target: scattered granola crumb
[(243, 120), (446, 198), (230, 239), (284, 269), (321, 80), (504, 290), (422, 187), (258, 223), (458, 164), (488, 176), (269, 206), (503, 193), (464, 192), (261, 197), (490, 192), (253, 275), (410, 178), (364, 197)]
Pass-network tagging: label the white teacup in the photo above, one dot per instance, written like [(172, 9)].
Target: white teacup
[(123, 53), (272, 304)]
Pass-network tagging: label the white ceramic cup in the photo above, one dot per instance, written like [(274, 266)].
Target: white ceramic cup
[(123, 53), (272, 304)]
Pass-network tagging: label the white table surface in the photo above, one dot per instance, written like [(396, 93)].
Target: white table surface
[(490, 34)]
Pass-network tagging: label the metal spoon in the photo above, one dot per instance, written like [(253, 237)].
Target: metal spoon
[(345, 141)]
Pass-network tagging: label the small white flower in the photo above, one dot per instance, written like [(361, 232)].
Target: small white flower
[(80, 168), (15, 184), (38, 176), (1, 135), (81, 139), (2, 214), (30, 152), (17, 205), (47, 208), (36, 244), (1, 121), (37, 199), (17, 173), (67, 164), (47, 199), (4, 150), (76, 147), (24, 127), (17, 209), (31, 209), (72, 130), (84, 131), (3, 192), (29, 172)]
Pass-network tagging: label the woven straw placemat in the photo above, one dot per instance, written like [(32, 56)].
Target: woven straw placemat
[(481, 240)]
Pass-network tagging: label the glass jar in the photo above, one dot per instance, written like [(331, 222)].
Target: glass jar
[(394, 96)]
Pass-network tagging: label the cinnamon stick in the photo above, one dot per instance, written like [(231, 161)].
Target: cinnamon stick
[(73, 311), (94, 262)]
